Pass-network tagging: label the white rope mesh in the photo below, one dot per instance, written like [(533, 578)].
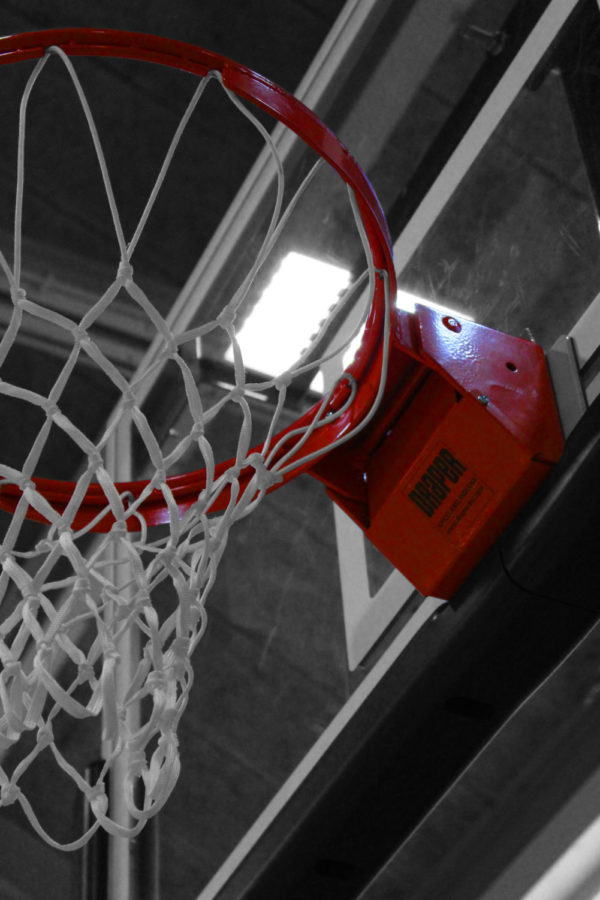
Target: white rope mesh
[(73, 594)]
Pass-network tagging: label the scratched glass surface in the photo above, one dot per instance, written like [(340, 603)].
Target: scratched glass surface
[(517, 246)]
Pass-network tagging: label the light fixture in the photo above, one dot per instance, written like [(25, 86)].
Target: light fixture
[(289, 312)]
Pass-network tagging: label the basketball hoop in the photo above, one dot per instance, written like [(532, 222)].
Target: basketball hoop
[(64, 584), (431, 440)]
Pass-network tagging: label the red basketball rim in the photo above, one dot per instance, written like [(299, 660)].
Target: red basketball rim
[(269, 97)]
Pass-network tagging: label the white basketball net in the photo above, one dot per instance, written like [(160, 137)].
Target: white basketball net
[(107, 592)]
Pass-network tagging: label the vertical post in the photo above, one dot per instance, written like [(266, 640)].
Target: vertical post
[(121, 869), (145, 861), (94, 855)]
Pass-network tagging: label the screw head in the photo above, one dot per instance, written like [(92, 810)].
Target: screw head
[(452, 323), (485, 401)]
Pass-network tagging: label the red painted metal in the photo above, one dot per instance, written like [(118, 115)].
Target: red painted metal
[(467, 427)]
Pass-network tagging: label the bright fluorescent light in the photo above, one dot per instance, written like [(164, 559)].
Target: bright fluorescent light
[(289, 312)]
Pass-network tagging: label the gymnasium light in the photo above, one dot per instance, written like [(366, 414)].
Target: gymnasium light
[(289, 312)]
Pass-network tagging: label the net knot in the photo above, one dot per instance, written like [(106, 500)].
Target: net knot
[(128, 400), (85, 672), (171, 350), (18, 296), (82, 585), (95, 458), (283, 381), (232, 474), (44, 650), (168, 721), (181, 647), (125, 271), (167, 555), (136, 762), (11, 668), (168, 740), (9, 793), (45, 735), (32, 603), (51, 410), (44, 546), (236, 394), (97, 799), (80, 335), (265, 478), (156, 681), (226, 319), (111, 652), (179, 668)]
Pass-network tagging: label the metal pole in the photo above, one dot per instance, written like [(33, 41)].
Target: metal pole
[(93, 883), (132, 863)]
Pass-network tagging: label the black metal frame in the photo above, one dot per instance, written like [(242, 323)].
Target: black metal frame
[(513, 33)]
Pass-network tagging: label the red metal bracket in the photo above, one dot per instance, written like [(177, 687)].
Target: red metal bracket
[(468, 428)]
